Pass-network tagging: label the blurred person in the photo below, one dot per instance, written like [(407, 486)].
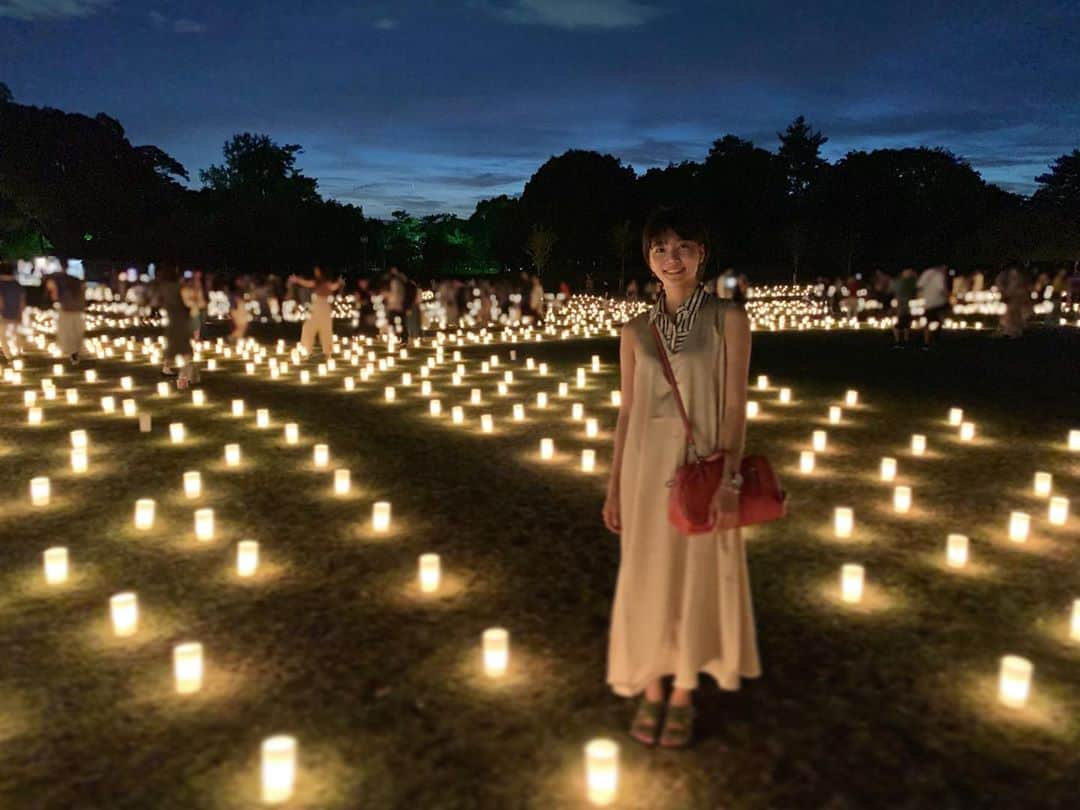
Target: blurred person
[(1015, 287), (69, 293), (933, 289), (12, 306), (904, 290), (238, 311), (178, 330), (320, 320), (536, 299)]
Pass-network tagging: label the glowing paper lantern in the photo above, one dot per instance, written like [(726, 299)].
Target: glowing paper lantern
[(547, 449), (819, 440), (342, 481), (762, 382), (1014, 681), (127, 383), (247, 558), (519, 412), (851, 398), (232, 455), (806, 462), (1074, 441), (843, 521), (752, 409), (162, 389), (1044, 483), (262, 418), (29, 398), (321, 455), (72, 396), (967, 431), (34, 416), (39, 491), (124, 609), (785, 395), (592, 428), (1075, 624), (588, 460), (350, 384), (457, 415), (192, 484), (541, 400), (129, 407), (406, 379), (956, 416), (56, 565), (176, 432), (238, 407), (474, 396), (918, 444), (888, 469), (305, 377), (486, 423), (204, 525), (616, 399), (1058, 512), (278, 768), (596, 362), (380, 516), (90, 376), (902, 500), (956, 550), (577, 411), (601, 771), (564, 389), (292, 433), (1019, 526), (543, 369), (834, 414), (389, 393), (144, 514), (144, 422), (108, 404), (508, 377), (435, 407), (430, 572), (198, 397), (496, 651), (79, 461), (851, 582), (188, 667), (502, 389)]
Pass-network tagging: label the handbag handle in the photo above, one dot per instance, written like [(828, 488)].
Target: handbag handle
[(669, 375)]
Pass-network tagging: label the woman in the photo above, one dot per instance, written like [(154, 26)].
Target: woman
[(238, 311), (320, 321), (175, 299), (682, 603)]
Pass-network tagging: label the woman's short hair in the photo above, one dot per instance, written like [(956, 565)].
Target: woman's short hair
[(679, 220)]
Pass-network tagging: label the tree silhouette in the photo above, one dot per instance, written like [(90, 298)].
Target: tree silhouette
[(6, 96), (540, 247), (1059, 189), (799, 154)]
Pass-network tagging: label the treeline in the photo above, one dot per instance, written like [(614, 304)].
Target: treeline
[(74, 185)]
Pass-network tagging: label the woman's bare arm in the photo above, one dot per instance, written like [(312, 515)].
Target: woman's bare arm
[(627, 347), (736, 374)]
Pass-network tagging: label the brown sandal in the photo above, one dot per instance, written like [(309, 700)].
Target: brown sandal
[(678, 727), (646, 723)]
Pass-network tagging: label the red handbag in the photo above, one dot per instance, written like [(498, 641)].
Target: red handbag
[(761, 498)]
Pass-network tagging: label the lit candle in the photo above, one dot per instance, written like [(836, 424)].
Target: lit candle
[(762, 382), (232, 455), (129, 407), (1014, 682), (596, 362), (541, 400), (592, 428), (843, 521), (321, 455), (457, 415), (176, 432), (502, 389), (29, 398), (124, 608), (577, 411), (967, 431), (79, 462), (198, 397), (1019, 525), (918, 444), (144, 514), (902, 500), (262, 418), (435, 407), (305, 377), (616, 399), (851, 398), (819, 441), (580, 378), (342, 481), (192, 484), (380, 516), (188, 667), (127, 383), (486, 423), (278, 768), (496, 651), (79, 439), (162, 389), (56, 565), (1074, 440), (851, 578), (90, 376), (1058, 512), (564, 389), (519, 412), (389, 393), (204, 525), (601, 771), (247, 558), (238, 407), (1075, 628), (752, 409), (834, 414), (806, 462), (1044, 483), (430, 572), (350, 384), (588, 460), (785, 395), (956, 550), (956, 416), (72, 396), (292, 433), (547, 449), (888, 469), (108, 404), (39, 491)]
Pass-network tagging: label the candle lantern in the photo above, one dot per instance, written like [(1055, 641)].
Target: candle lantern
[(888, 469), (232, 455), (192, 484), (435, 407), (1074, 441), (389, 393), (247, 558), (519, 412), (1058, 513), (457, 414), (188, 667), (1075, 628), (350, 384), (292, 433), (851, 577), (1014, 681), (204, 525), (547, 449), (503, 389), (342, 481), (806, 462), (90, 376), (762, 382), (39, 491), (902, 500), (108, 404), (956, 416), (834, 414), (496, 651), (956, 550), (430, 572), (321, 455), (918, 444), (198, 397), (592, 428), (56, 565), (127, 383), (129, 407), (124, 610), (380, 516), (1019, 526), (596, 363), (616, 399), (601, 771), (262, 418), (785, 395), (967, 431), (79, 461), (752, 409), (305, 377), (278, 768), (486, 423), (34, 416), (577, 411), (844, 521), (144, 514), (564, 389), (851, 398), (588, 460), (541, 399), (1044, 483), (238, 407), (72, 396), (819, 441)]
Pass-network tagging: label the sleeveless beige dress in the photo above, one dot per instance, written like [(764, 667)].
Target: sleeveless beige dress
[(682, 602)]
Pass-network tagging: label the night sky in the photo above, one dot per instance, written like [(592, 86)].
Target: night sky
[(431, 106)]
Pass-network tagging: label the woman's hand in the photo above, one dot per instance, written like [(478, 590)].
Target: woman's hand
[(612, 518), (724, 509)]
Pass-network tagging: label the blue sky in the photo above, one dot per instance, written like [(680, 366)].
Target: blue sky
[(431, 105)]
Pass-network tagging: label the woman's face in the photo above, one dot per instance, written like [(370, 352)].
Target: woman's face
[(676, 261)]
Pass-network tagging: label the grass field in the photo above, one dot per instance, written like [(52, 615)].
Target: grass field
[(887, 704)]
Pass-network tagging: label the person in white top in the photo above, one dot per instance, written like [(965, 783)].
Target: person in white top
[(934, 291)]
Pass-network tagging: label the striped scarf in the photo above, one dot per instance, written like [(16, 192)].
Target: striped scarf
[(675, 329)]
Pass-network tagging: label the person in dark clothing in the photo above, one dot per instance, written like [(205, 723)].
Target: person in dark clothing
[(12, 304)]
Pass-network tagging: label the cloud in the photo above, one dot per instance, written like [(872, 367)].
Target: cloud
[(574, 14), (387, 24), (49, 9), (178, 26)]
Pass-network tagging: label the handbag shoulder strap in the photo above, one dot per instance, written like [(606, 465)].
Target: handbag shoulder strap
[(669, 375)]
